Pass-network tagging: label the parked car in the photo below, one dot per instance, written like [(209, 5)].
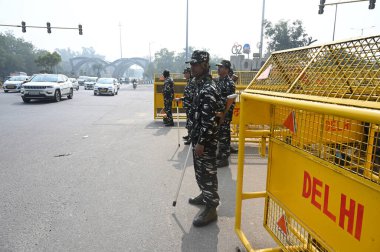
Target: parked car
[(14, 83), (47, 86), (106, 86), (81, 80), (75, 83), (90, 83)]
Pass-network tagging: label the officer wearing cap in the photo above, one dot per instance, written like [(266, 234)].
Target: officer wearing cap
[(203, 134), (168, 93), (227, 87), (187, 101)]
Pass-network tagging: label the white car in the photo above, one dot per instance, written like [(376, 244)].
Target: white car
[(14, 83), (75, 83), (47, 86), (90, 83), (81, 80), (106, 86)]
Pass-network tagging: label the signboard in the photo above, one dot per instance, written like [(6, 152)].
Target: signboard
[(341, 210)]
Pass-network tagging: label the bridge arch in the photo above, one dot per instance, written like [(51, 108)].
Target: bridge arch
[(116, 68)]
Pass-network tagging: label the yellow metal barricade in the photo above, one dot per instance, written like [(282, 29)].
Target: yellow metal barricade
[(244, 79), (321, 108), (179, 87)]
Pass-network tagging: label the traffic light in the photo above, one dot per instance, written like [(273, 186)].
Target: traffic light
[(48, 27), (371, 4), (321, 6), (80, 29), (23, 26)]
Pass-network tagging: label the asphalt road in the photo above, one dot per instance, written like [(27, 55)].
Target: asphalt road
[(99, 174)]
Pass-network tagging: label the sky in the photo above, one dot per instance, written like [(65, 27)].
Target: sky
[(146, 26)]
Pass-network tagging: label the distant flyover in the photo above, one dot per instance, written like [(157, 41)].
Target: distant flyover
[(116, 68)]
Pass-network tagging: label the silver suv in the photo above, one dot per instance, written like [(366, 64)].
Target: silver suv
[(47, 86), (90, 83)]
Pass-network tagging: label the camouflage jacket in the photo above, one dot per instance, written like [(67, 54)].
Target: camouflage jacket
[(227, 87), (188, 93), (206, 102), (168, 89)]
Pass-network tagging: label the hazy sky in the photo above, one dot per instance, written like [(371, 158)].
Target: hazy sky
[(213, 24)]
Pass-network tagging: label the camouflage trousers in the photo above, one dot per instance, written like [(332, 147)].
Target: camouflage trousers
[(224, 140), (168, 109), (206, 174)]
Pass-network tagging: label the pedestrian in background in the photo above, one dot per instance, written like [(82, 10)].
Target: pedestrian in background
[(168, 93), (187, 101), (227, 87), (203, 135)]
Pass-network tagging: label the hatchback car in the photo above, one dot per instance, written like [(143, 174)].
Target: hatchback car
[(106, 86), (14, 83), (47, 86)]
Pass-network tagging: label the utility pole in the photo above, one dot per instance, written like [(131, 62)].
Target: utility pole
[(262, 33), (336, 10), (187, 29)]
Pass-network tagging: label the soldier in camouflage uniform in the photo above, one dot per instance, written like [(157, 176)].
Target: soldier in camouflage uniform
[(187, 101), (168, 93), (234, 78), (227, 87), (203, 134)]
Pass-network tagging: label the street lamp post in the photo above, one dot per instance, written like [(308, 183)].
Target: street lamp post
[(187, 29), (336, 10), (262, 33)]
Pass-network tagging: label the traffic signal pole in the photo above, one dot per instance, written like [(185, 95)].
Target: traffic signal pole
[(48, 27), (322, 5)]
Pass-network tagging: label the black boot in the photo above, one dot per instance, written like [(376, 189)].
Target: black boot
[(185, 137), (170, 123), (233, 150), (206, 217), (187, 142), (222, 162), (165, 120), (197, 200)]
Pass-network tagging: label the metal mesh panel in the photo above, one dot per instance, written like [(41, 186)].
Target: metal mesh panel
[(346, 143), (244, 77), (288, 231), (349, 70)]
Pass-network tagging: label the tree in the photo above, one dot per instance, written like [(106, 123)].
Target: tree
[(48, 61), (285, 36), (16, 55), (164, 59)]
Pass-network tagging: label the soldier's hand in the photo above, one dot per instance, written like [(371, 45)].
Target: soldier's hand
[(221, 116), (199, 150)]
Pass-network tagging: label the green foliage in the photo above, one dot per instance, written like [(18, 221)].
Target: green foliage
[(48, 61), (284, 36), (175, 63), (16, 55)]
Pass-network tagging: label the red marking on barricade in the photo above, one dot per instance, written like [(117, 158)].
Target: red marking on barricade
[(281, 223), (336, 125), (319, 194), (290, 122), (236, 111)]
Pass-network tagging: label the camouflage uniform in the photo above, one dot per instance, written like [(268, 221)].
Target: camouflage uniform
[(187, 101), (168, 93), (227, 87), (204, 131)]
